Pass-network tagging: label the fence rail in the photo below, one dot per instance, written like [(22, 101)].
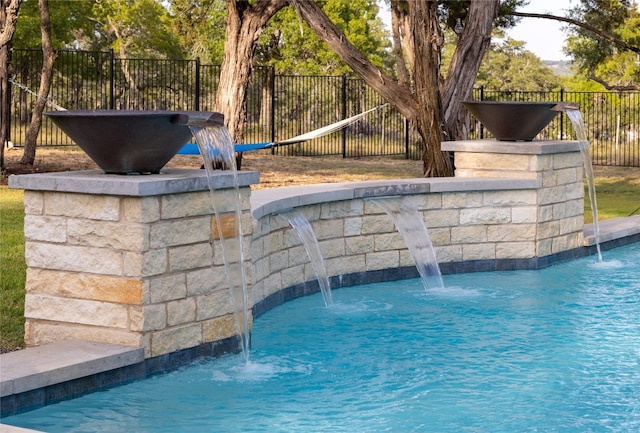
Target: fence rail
[(281, 106)]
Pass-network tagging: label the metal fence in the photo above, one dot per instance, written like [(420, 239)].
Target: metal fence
[(282, 106), (278, 106)]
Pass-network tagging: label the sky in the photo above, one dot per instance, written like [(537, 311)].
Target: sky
[(543, 37)]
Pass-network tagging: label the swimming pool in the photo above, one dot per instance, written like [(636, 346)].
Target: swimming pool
[(549, 350)]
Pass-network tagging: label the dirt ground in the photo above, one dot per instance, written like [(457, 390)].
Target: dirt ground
[(275, 171)]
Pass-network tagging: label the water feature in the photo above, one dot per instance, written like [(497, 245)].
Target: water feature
[(128, 141), (411, 226), (581, 132), (549, 350), (259, 370), (523, 120), (513, 120), (217, 148), (303, 228)]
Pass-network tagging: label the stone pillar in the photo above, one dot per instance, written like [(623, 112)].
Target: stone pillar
[(556, 165), (128, 259)]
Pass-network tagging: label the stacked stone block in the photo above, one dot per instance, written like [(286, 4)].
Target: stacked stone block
[(145, 268), (144, 271), (557, 206), (507, 201)]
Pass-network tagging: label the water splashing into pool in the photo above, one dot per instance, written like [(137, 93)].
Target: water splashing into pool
[(581, 132), (414, 232), (308, 237), (217, 150)]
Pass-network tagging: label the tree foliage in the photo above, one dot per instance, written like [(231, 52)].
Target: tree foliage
[(8, 20), (599, 58), (199, 26), (296, 49), (508, 66), (135, 28), (69, 21), (139, 28), (286, 43)]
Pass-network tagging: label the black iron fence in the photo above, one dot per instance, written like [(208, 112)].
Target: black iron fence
[(282, 106), (278, 106)]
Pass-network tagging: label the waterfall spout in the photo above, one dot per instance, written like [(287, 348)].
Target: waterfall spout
[(215, 142), (200, 119), (409, 223), (304, 230), (581, 132), (565, 106)]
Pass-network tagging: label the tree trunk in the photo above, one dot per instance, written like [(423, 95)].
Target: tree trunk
[(245, 22), (8, 17), (391, 91), (400, 31), (474, 41), (427, 109), (136, 100), (422, 109), (266, 104), (427, 39), (5, 99), (604, 35), (46, 77)]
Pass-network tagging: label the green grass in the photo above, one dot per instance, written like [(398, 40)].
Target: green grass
[(12, 268), (617, 196)]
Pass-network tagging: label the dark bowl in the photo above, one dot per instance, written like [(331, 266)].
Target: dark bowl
[(127, 142), (513, 120)]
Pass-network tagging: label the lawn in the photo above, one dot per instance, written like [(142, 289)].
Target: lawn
[(617, 193), (617, 188), (12, 269)]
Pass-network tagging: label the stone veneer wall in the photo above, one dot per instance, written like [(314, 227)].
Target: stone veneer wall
[(557, 166), (128, 259), (508, 201)]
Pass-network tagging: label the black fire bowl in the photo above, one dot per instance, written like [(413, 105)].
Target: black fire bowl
[(513, 120), (130, 141)]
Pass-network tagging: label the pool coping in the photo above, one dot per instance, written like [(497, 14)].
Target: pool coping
[(46, 374), (612, 229), (273, 200)]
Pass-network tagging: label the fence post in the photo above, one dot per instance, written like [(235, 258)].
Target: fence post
[(406, 138), (272, 120), (112, 87), (482, 99), (562, 115), (5, 104), (344, 114), (196, 104)]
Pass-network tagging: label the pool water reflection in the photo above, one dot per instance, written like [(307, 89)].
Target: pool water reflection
[(549, 350)]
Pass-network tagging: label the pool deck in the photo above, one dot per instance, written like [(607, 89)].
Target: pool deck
[(37, 367), (612, 229)]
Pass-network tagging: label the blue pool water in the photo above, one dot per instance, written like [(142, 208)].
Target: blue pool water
[(556, 350)]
